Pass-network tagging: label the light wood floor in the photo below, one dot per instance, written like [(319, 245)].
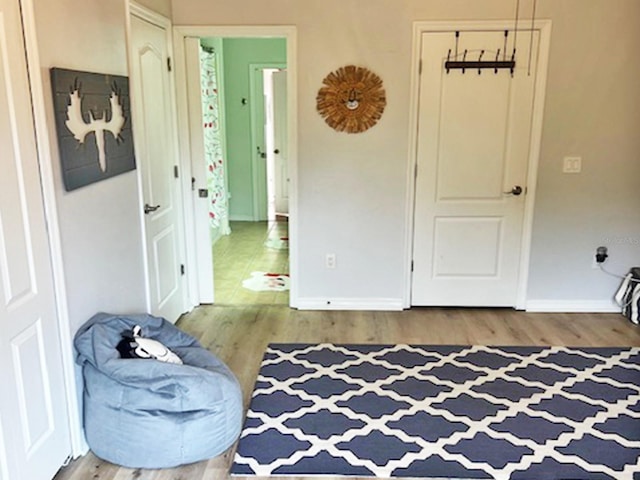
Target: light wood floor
[(239, 335), (244, 251)]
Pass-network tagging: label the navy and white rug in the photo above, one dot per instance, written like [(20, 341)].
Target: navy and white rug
[(517, 413)]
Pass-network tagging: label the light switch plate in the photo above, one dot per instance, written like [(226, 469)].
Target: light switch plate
[(572, 165)]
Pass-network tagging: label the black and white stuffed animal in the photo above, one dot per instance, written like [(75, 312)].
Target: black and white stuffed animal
[(133, 345)]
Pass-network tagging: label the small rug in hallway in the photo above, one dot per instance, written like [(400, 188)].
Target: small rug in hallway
[(472, 412), (277, 243), (267, 282)]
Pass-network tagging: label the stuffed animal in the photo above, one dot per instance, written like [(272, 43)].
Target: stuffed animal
[(134, 345)]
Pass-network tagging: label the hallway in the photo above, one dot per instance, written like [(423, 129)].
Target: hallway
[(252, 247)]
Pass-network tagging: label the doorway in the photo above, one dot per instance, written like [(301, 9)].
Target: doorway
[(249, 247), (476, 151)]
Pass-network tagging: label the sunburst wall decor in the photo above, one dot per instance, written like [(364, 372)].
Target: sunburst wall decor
[(351, 99)]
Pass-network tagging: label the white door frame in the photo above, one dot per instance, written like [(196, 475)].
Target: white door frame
[(544, 27), (48, 185), (135, 9), (289, 33), (260, 202)]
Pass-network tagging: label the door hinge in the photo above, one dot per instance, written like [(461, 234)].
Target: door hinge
[(420, 67), (415, 171), (182, 270), (176, 172), (169, 63), (412, 265)]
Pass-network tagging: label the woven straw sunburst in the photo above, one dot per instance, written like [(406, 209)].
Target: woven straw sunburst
[(351, 99)]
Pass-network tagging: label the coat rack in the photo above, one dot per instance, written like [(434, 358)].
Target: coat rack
[(496, 64), (480, 64)]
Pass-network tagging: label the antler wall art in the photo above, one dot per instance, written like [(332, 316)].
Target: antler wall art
[(93, 123)]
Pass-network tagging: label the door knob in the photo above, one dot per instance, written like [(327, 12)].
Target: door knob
[(517, 190), (149, 208)]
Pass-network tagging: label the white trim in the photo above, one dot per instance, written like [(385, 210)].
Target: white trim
[(572, 306), (4, 463), (150, 16), (289, 33), (544, 26), (414, 96), (537, 122), (134, 9), (372, 304), (78, 444)]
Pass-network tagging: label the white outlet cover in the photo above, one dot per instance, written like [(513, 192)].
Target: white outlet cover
[(572, 165)]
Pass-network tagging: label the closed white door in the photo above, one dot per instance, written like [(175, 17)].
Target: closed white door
[(154, 136), (473, 149), (34, 427), (281, 157)]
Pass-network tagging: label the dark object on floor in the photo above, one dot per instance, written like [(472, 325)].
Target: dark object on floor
[(628, 296), (152, 414)]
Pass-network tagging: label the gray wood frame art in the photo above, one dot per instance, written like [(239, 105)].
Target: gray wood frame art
[(93, 125)]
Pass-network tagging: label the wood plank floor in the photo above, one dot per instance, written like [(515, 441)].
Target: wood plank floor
[(240, 334)]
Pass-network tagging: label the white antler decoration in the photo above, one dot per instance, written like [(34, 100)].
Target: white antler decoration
[(77, 125)]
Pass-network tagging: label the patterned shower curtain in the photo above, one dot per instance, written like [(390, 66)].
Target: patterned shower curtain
[(213, 144)]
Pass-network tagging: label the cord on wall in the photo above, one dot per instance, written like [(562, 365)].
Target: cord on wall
[(634, 280)]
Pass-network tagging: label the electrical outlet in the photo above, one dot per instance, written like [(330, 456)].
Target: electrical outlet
[(330, 260), (572, 164), (600, 257)]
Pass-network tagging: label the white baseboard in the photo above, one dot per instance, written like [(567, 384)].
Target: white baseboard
[(572, 306), (374, 304)]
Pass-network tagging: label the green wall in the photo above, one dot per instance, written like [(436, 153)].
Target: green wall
[(239, 53)]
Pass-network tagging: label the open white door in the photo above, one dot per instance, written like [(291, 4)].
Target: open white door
[(34, 426), (156, 154), (199, 194), (281, 156), (473, 152)]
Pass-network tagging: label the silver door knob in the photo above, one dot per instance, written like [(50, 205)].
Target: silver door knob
[(150, 208), (517, 190)]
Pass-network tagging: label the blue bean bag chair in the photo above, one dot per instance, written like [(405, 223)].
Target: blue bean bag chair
[(145, 413)]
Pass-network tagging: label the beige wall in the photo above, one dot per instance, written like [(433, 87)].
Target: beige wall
[(352, 188), (99, 223)]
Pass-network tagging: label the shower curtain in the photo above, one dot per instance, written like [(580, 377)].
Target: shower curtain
[(214, 144)]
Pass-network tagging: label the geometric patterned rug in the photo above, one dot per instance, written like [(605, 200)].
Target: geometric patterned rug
[(469, 412)]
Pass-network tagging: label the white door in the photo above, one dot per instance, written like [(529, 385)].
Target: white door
[(473, 150), (34, 428), (258, 142), (203, 250), (154, 136), (281, 158)]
